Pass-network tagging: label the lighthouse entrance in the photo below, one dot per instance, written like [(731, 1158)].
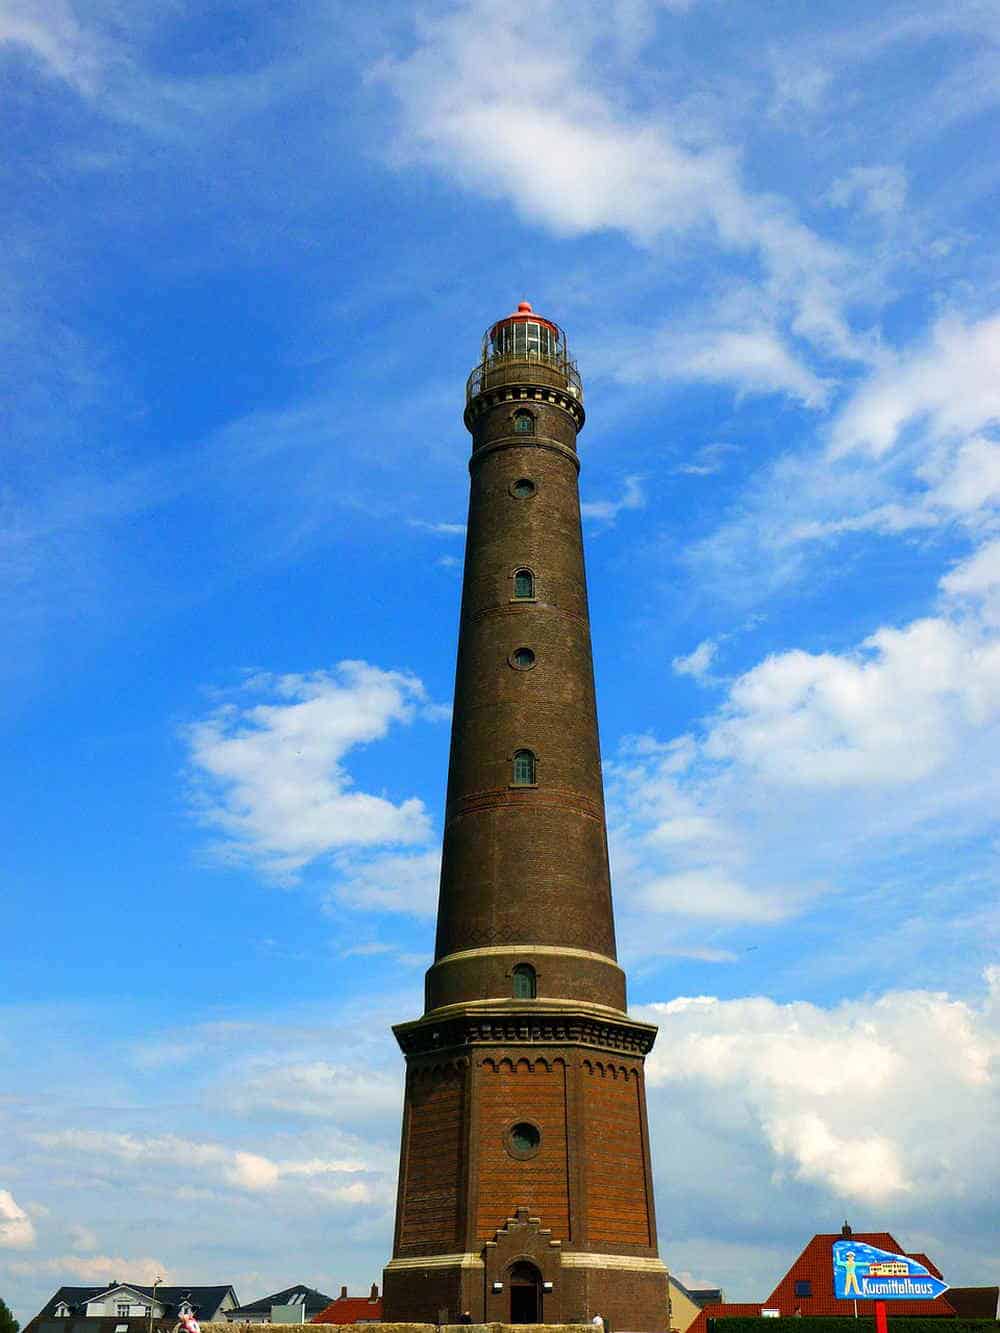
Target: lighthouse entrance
[(525, 1284)]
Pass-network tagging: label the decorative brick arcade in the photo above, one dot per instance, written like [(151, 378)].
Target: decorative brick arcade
[(525, 1190)]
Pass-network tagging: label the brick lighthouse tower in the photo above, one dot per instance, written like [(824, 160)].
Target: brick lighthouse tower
[(525, 1191)]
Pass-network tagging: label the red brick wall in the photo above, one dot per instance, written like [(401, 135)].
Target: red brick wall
[(433, 1158), (523, 1091), (618, 1207)]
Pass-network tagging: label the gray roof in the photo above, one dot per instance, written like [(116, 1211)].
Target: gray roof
[(314, 1301), (702, 1296), (205, 1302)]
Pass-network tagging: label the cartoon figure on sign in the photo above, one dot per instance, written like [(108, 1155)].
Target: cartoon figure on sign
[(849, 1265), (188, 1323)]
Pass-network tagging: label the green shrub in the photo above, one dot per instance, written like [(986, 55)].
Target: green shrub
[(905, 1323)]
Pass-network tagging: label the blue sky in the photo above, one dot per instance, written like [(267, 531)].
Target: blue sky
[(248, 255)]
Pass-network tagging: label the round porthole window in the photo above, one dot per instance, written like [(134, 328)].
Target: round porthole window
[(523, 488), (522, 659), (523, 1139)]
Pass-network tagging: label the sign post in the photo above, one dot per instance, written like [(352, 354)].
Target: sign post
[(866, 1273)]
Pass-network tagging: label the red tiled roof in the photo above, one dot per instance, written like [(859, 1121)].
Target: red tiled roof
[(349, 1310), (815, 1265)]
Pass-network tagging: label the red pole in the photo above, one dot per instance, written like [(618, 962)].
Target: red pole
[(881, 1318)]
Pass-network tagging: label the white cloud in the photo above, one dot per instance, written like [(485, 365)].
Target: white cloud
[(878, 190), (17, 1231), (892, 713), (51, 32), (757, 360), (440, 529), (97, 1267), (950, 385), (696, 663), (814, 768), (632, 498), (677, 852), (965, 480), (83, 1238), (707, 460), (711, 895), (232, 1166), (839, 1097), (271, 776), (547, 130), (391, 883), (317, 1089), (979, 575)]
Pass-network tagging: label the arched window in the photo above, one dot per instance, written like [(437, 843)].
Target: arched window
[(524, 583), (524, 768), (525, 982), (524, 423)]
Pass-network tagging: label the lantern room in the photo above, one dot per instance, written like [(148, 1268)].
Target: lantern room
[(525, 348), (526, 336)]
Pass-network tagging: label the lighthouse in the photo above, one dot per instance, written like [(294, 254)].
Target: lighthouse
[(525, 1185)]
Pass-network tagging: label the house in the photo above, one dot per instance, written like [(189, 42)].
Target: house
[(686, 1304), (352, 1309), (126, 1307), (807, 1287), (975, 1302), (293, 1305)]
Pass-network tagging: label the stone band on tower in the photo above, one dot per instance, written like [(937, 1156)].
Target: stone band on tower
[(525, 1189)]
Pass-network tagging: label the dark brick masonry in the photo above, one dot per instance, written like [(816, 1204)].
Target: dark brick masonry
[(525, 1190)]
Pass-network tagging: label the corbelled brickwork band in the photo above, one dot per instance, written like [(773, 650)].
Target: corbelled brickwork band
[(525, 1189)]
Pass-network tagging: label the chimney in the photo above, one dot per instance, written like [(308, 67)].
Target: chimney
[(343, 1293), (374, 1295)]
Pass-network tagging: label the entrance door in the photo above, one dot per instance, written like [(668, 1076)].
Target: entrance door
[(525, 1289)]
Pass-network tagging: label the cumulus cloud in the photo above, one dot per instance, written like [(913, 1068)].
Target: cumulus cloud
[(894, 712), (271, 776), (813, 767), (950, 385), (838, 1097), (17, 1231)]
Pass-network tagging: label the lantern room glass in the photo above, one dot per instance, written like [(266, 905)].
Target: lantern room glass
[(525, 339)]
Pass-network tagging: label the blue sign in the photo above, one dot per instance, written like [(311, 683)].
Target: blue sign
[(863, 1273)]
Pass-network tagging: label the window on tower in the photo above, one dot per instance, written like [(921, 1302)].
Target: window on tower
[(525, 982), (524, 768), (524, 423), (524, 583)]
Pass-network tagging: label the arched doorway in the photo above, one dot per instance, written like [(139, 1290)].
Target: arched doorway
[(524, 1283)]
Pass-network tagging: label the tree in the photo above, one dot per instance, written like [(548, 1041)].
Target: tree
[(8, 1324)]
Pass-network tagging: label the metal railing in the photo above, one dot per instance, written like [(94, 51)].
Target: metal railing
[(515, 368)]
